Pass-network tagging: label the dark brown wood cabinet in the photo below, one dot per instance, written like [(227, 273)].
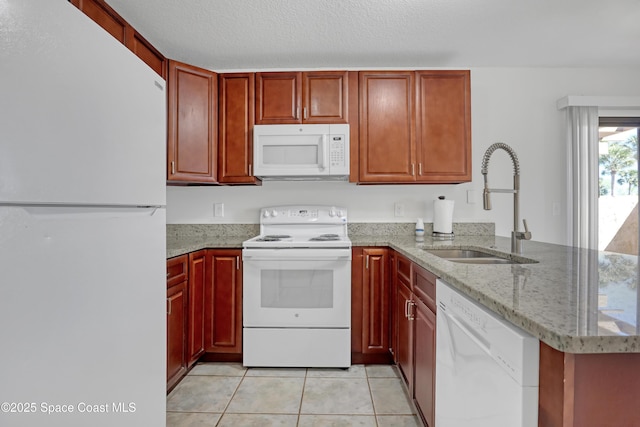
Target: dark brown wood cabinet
[(424, 343), (177, 302), (278, 97), (415, 127), (304, 97), (236, 104), (370, 305), (387, 126), (443, 126), (414, 323), (223, 302), (402, 324), (103, 15), (196, 286), (192, 118)]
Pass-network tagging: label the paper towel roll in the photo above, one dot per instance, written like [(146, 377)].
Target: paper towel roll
[(443, 215)]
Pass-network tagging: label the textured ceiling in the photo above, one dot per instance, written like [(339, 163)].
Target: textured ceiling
[(276, 34)]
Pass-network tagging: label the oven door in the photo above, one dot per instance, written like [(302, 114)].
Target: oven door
[(302, 287)]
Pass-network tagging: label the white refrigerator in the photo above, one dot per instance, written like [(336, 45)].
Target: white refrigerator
[(82, 224)]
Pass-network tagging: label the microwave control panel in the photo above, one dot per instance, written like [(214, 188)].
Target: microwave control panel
[(337, 151)]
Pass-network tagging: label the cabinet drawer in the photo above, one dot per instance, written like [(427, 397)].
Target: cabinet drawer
[(424, 286), (403, 270), (176, 270)]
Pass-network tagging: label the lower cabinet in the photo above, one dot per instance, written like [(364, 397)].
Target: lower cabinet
[(424, 346), (197, 286), (370, 305), (176, 319), (223, 302), (204, 310), (414, 331)]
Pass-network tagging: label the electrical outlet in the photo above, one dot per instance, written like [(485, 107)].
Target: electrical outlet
[(218, 209), (399, 209)]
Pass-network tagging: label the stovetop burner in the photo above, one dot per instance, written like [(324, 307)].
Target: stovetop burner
[(325, 238), (273, 238)]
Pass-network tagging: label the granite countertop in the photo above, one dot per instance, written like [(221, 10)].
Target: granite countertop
[(574, 300)]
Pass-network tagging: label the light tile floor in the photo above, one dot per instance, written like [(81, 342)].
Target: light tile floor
[(227, 394)]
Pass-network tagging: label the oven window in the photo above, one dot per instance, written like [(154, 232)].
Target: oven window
[(296, 289)]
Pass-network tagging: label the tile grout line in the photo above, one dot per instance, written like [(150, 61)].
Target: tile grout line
[(304, 385), (373, 404), (224, 411)]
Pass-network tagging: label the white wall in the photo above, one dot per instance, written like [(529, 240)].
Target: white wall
[(510, 105)]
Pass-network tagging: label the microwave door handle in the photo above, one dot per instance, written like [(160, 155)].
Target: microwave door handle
[(322, 152)]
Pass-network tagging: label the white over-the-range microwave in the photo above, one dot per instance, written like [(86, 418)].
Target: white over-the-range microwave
[(301, 152)]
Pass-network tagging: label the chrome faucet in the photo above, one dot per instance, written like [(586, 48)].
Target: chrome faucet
[(516, 236)]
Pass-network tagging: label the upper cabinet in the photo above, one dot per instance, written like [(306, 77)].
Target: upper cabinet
[(309, 97), (443, 126), (102, 14), (236, 104), (415, 127), (387, 127), (192, 118)]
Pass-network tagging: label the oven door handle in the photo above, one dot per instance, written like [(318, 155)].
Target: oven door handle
[(285, 254)]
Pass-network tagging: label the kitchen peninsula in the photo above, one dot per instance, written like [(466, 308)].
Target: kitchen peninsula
[(581, 304)]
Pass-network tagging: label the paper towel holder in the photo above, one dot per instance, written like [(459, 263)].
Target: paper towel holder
[(442, 236)]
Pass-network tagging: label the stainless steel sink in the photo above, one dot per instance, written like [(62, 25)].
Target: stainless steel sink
[(472, 256), (459, 253)]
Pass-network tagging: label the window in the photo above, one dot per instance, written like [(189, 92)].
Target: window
[(618, 184)]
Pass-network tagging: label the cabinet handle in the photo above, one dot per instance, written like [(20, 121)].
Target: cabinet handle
[(168, 274), (306, 115), (237, 263), (173, 167), (420, 169), (411, 305), (406, 308), (250, 171), (169, 310), (413, 169), (366, 264), (297, 113)]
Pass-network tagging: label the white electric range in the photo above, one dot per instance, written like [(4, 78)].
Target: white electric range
[(297, 289)]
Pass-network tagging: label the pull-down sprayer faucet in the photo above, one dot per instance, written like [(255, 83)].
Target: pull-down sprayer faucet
[(516, 236)]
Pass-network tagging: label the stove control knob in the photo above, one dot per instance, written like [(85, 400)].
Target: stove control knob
[(266, 214), (340, 214), (332, 212), (274, 213)]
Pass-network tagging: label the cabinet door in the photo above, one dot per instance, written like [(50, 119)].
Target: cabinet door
[(192, 152), (425, 361), (375, 295), (326, 97), (278, 98), (404, 352), (223, 301), (443, 126), (236, 101), (387, 129), (197, 284), (176, 333)]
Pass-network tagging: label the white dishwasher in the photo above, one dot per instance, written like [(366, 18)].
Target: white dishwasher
[(486, 368)]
